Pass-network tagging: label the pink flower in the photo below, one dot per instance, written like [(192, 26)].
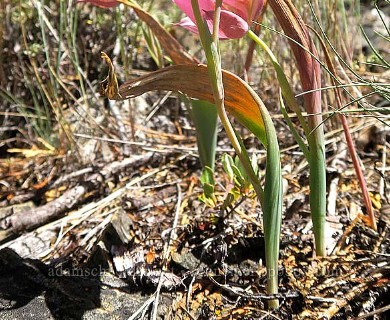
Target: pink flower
[(102, 3), (236, 15)]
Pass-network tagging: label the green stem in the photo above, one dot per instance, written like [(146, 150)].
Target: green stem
[(283, 82), (272, 208), (315, 154), (217, 19), (317, 180), (215, 73), (294, 132)]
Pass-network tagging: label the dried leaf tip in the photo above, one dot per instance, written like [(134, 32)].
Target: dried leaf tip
[(109, 86)]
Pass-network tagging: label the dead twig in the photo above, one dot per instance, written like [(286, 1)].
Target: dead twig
[(373, 313), (30, 219)]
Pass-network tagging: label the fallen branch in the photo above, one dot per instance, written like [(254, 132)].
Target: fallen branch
[(32, 218)]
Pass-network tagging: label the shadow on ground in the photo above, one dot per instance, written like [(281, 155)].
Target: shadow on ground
[(29, 289)]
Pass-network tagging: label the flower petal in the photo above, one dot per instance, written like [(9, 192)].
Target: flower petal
[(239, 7), (188, 24), (257, 8), (186, 7), (246, 9), (234, 16), (231, 25)]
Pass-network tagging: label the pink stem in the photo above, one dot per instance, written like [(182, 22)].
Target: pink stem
[(358, 170)]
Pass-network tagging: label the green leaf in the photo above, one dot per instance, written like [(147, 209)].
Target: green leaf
[(205, 118), (228, 163), (208, 182)]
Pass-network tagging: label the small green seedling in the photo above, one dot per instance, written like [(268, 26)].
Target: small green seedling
[(208, 184)]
